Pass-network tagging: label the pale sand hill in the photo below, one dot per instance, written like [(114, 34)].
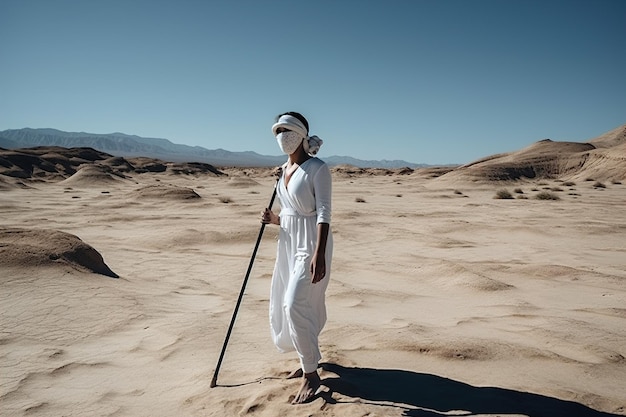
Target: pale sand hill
[(603, 159), (443, 300), (611, 138)]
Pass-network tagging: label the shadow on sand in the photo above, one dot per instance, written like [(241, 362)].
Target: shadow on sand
[(426, 395)]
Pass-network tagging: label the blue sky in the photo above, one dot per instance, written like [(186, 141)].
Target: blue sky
[(427, 81)]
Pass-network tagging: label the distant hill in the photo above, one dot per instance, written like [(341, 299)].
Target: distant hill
[(602, 158), (120, 144)]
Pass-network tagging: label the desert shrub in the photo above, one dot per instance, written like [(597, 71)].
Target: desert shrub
[(616, 182), (518, 191), (458, 192), (556, 189), (522, 197), (359, 200), (589, 179), (535, 189), (598, 184), (542, 183), (503, 195), (398, 195), (569, 184), (226, 200), (544, 195)]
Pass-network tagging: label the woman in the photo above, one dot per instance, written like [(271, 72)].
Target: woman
[(301, 273)]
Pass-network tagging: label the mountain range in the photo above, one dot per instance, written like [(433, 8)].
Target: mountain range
[(120, 144)]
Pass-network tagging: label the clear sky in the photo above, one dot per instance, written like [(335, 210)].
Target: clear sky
[(427, 81)]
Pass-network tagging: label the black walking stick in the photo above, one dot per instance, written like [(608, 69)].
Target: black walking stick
[(243, 287)]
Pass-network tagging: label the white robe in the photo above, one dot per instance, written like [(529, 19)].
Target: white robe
[(297, 306)]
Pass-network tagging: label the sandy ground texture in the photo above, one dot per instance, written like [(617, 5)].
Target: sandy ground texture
[(117, 288)]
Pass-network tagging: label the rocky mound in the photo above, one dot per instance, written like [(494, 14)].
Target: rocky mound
[(45, 247), (348, 171), (47, 161), (193, 168), (170, 192), (57, 163), (118, 164)]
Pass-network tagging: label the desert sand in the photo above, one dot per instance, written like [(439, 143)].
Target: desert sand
[(118, 285)]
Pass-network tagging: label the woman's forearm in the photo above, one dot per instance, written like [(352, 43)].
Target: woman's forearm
[(322, 237)]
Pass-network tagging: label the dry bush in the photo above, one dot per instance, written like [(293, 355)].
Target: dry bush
[(556, 189), (518, 191), (359, 200), (503, 195), (598, 184), (226, 200), (569, 184), (544, 195)]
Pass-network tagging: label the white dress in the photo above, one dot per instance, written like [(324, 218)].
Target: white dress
[(297, 306)]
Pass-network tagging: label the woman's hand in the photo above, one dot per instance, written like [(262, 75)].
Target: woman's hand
[(318, 261), (268, 217), (318, 267)]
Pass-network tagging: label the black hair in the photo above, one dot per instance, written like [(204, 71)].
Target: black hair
[(297, 116)]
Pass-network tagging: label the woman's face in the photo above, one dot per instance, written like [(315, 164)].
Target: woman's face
[(288, 140)]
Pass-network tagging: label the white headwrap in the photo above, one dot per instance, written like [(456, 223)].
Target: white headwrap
[(312, 144)]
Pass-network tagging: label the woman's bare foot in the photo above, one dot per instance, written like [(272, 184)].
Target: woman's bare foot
[(310, 384), (295, 374)]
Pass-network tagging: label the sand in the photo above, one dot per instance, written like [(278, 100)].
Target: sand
[(443, 299)]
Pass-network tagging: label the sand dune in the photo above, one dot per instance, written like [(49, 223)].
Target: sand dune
[(443, 300), (28, 248), (93, 175), (615, 137), (603, 158)]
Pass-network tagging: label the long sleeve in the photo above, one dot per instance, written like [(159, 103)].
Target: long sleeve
[(322, 183)]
